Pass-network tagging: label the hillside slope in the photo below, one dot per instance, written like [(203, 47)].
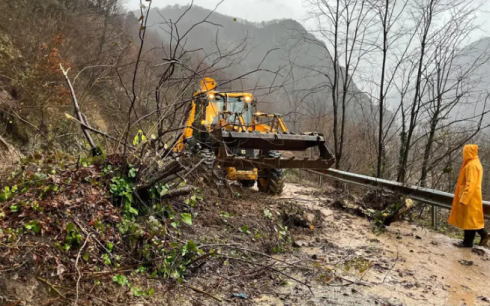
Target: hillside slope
[(89, 38)]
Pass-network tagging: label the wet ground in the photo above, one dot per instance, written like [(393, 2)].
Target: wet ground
[(338, 261), (406, 265)]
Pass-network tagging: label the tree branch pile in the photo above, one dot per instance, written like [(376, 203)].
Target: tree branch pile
[(381, 207)]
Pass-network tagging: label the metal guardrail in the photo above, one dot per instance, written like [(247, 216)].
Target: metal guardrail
[(430, 196)]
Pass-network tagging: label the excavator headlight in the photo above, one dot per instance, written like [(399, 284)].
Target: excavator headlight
[(211, 96), (248, 99)]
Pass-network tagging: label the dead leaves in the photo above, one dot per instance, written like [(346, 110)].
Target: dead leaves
[(47, 199)]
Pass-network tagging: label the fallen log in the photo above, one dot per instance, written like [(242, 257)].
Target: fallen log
[(169, 178), (382, 208), (179, 192), (171, 169)]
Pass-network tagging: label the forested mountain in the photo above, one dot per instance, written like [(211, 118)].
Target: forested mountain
[(296, 68)]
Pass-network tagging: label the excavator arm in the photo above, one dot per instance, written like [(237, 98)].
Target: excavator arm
[(187, 133)]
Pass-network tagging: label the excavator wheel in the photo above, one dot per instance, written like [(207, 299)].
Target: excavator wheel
[(247, 183), (209, 158), (274, 181)]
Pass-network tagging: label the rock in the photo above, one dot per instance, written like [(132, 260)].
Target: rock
[(393, 302), (478, 251), (318, 239), (309, 218), (300, 243), (418, 237), (435, 243), (467, 263), (314, 257)]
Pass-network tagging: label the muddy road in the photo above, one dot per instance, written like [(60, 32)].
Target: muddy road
[(406, 265)]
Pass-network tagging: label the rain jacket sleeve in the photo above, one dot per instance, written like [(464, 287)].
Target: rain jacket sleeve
[(471, 174)]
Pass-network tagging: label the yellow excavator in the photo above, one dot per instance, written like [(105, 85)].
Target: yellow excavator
[(226, 130)]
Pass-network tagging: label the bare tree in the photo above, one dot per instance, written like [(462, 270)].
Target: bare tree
[(424, 13), (392, 43), (452, 81), (439, 84), (345, 23)]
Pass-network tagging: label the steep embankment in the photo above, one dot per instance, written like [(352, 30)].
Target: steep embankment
[(88, 37)]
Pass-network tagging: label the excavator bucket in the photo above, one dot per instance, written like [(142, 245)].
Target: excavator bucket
[(226, 139)]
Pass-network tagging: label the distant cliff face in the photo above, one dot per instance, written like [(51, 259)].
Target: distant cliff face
[(473, 60), (303, 63)]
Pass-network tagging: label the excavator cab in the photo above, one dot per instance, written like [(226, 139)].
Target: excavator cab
[(226, 130)]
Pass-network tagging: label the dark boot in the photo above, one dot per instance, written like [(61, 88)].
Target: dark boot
[(462, 244), (485, 237), (469, 237)]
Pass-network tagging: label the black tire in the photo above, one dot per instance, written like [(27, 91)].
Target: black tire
[(209, 159), (274, 181), (247, 183)]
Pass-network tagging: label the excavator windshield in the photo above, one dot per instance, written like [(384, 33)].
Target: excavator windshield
[(240, 106), (216, 105)]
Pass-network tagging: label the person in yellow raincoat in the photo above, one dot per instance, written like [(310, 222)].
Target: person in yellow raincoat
[(467, 209)]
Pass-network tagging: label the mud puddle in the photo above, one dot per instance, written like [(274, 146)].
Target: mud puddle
[(406, 265)]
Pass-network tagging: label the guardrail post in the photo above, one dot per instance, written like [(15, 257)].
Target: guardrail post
[(321, 181), (435, 217)]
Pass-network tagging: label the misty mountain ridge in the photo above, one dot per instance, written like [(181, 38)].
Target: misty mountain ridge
[(475, 54), (302, 62)]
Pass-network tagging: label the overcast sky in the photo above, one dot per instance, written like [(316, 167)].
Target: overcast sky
[(264, 10), (251, 10)]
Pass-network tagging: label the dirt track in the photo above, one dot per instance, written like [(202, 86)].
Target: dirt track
[(407, 265)]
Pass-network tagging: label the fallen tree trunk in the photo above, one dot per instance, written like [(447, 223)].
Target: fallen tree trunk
[(164, 176), (170, 178), (179, 192), (383, 208)]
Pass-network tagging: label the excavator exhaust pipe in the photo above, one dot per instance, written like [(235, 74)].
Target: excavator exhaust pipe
[(226, 139)]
